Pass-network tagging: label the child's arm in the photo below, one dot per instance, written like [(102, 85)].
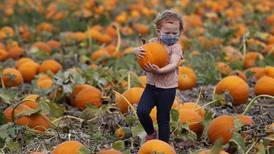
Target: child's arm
[(174, 62)]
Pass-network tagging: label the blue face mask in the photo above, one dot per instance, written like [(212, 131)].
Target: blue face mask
[(169, 39)]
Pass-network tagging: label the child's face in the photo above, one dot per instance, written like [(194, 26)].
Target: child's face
[(169, 28), (169, 33)]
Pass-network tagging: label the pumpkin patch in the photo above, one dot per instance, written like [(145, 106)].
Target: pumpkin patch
[(71, 80)]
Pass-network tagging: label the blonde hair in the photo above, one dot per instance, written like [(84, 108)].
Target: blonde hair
[(167, 15)]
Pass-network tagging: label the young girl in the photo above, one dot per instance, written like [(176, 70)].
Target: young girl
[(162, 82)]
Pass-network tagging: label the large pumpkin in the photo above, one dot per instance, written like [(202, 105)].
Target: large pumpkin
[(39, 122), (193, 106), (69, 147), (265, 85), (25, 120), (133, 95), (87, 96), (156, 146), (155, 53), (77, 89), (237, 88), (192, 119), (22, 60), (223, 127)]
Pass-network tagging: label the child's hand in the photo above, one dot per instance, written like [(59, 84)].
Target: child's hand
[(152, 68), (139, 52)]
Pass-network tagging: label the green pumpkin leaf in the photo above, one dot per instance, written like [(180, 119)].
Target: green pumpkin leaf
[(118, 145), (174, 115), (55, 109), (239, 141), (84, 150), (27, 113), (217, 147)]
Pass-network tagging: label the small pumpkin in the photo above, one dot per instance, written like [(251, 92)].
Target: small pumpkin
[(50, 65), (11, 77), (3, 54), (155, 53), (30, 101), (140, 28), (236, 87), (269, 71), (44, 82), (143, 80), (53, 44), (209, 152), (223, 68), (239, 74), (110, 151), (99, 54), (257, 71), (156, 146), (123, 133), (251, 58), (28, 70), (15, 52), (42, 46), (187, 78)]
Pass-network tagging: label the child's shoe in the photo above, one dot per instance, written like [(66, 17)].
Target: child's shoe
[(152, 136)]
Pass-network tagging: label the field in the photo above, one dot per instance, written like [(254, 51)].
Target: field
[(70, 81)]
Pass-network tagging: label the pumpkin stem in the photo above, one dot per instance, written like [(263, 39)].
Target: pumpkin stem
[(244, 43), (128, 80), (254, 143), (253, 100), (116, 26), (2, 83), (199, 96), (105, 98), (116, 92), (213, 93), (211, 102), (69, 117)]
